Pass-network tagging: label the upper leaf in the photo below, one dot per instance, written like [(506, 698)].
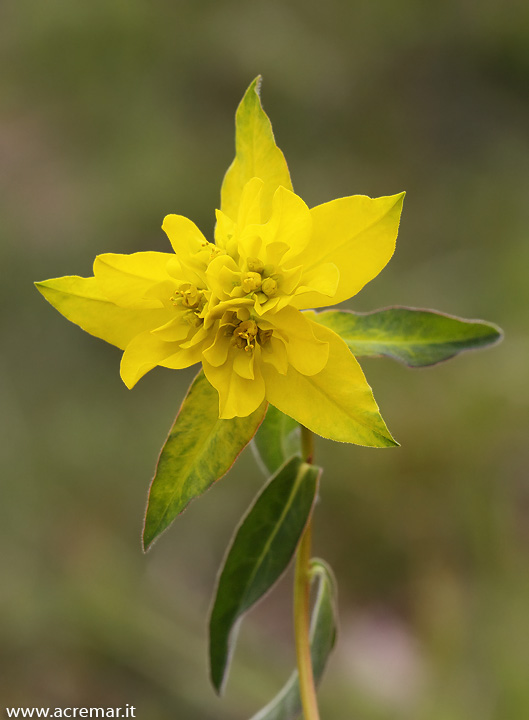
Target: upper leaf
[(278, 438), (414, 337), (200, 449), (287, 703), (256, 155), (260, 552)]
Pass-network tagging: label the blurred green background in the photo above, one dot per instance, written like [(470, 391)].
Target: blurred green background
[(114, 114)]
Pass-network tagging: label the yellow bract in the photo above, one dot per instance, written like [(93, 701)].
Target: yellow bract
[(235, 305)]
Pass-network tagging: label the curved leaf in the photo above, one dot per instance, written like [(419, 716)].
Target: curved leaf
[(414, 337), (287, 703), (200, 449), (261, 551), (278, 438)]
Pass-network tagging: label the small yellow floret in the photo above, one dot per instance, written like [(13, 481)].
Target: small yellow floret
[(250, 282), (269, 287), (244, 335), (191, 297)]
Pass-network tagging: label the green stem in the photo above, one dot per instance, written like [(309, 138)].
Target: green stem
[(302, 605)]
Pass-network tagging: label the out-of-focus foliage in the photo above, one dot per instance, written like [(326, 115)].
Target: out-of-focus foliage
[(114, 114)]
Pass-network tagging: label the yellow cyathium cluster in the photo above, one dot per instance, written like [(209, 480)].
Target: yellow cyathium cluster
[(237, 305)]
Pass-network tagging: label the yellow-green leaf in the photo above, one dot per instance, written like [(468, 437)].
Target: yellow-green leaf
[(260, 553), (414, 337), (336, 403), (200, 449), (81, 301), (287, 703), (357, 234), (256, 155)]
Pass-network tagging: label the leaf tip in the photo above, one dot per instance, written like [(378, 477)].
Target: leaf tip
[(219, 656), (151, 530), (251, 100), (42, 286), (218, 684), (496, 335), (147, 540), (389, 441), (399, 199)]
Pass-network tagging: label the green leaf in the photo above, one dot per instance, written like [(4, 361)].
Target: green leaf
[(414, 337), (260, 553), (278, 438), (287, 703), (200, 449)]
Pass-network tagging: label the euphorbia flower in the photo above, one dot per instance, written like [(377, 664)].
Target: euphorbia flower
[(236, 305)]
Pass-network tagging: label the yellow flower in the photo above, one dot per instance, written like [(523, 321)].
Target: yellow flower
[(236, 305)]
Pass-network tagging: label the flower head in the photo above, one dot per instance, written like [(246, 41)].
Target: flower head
[(236, 305)]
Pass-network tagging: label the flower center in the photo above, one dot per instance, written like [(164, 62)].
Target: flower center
[(260, 279), (244, 334)]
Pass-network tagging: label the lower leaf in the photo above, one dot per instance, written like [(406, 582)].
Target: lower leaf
[(261, 551), (287, 703), (200, 449)]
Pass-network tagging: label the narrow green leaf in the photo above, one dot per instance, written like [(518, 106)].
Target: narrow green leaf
[(200, 449), (278, 438), (261, 551), (287, 703), (414, 337)]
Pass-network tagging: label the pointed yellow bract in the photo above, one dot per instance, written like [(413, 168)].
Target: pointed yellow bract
[(235, 305)]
